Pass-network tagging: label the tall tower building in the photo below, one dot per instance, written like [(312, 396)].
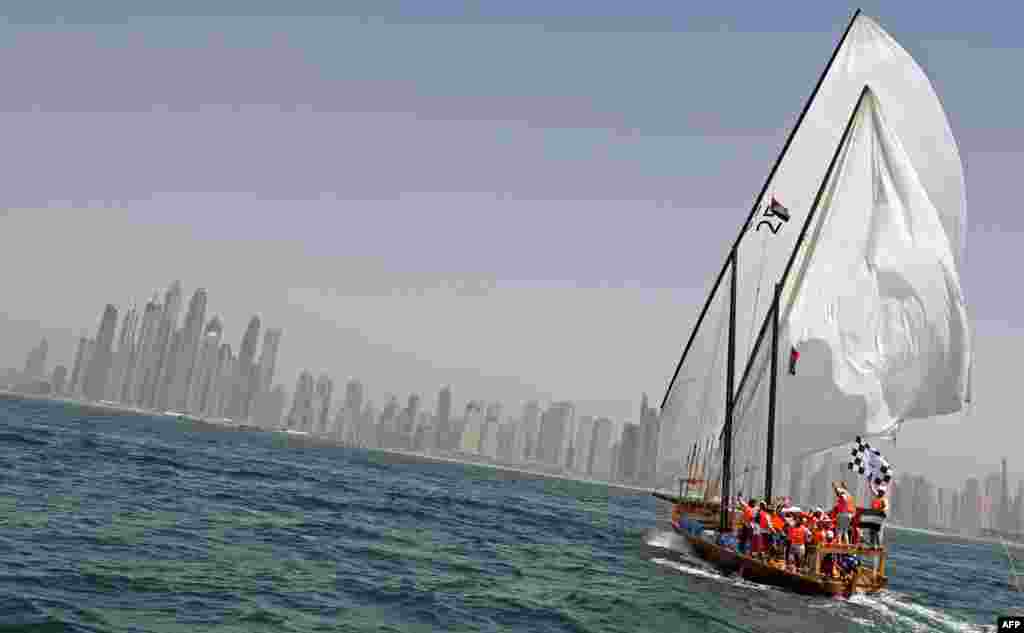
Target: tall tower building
[(222, 388), (529, 431), (79, 366), (247, 378), (268, 358), (302, 414), (35, 364), (443, 426), (204, 375), (188, 348), (1004, 503), (350, 414), (144, 368), (58, 381), (322, 406), (99, 365), (155, 389), (122, 357)]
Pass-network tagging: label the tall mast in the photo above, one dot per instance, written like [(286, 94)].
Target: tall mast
[(754, 207), (772, 385), (725, 525)]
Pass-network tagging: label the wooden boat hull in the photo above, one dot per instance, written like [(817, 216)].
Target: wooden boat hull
[(762, 572)]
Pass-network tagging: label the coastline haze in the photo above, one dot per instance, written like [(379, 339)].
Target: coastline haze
[(538, 219)]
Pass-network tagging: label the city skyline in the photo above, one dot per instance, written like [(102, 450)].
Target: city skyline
[(559, 243)]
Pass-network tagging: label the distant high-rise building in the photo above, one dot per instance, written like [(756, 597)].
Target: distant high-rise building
[(58, 380), (188, 350), (1005, 524), (407, 424), (79, 367), (600, 460), (529, 433), (1019, 509), (489, 431), (205, 374), (368, 428), (303, 413), (507, 434), (35, 364), (972, 506), (387, 424), (555, 424), (443, 427), (99, 365), (268, 357), (583, 445), (246, 371), (629, 451), (473, 430), (223, 387), (143, 369), (156, 389), (650, 428), (350, 413), (123, 356), (324, 392)]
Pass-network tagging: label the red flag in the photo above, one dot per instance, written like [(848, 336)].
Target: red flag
[(794, 356)]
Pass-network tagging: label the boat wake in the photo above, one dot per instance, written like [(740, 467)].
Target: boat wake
[(900, 613)]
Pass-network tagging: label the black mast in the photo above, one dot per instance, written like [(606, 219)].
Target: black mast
[(725, 525), (754, 207), (770, 459)]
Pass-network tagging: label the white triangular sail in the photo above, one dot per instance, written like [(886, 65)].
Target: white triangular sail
[(913, 114), (874, 305)]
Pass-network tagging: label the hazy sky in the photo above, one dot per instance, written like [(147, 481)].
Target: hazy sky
[(516, 199)]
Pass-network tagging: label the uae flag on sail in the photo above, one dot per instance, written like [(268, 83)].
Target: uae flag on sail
[(776, 209)]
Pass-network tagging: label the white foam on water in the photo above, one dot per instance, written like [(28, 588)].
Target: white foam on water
[(900, 610)]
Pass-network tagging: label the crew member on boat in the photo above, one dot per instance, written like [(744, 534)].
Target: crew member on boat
[(843, 512), (799, 534)]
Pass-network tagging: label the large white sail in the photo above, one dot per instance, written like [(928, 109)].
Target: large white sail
[(869, 57), (875, 307)]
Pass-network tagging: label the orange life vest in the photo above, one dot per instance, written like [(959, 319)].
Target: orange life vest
[(798, 535), (748, 514), (778, 523), (764, 520), (819, 535), (879, 504)]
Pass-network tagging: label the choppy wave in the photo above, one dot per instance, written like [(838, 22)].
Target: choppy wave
[(129, 523)]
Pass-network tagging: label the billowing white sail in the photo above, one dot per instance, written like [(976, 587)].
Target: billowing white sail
[(878, 311), (914, 116)]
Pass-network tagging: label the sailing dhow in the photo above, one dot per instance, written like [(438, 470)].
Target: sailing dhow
[(839, 313)]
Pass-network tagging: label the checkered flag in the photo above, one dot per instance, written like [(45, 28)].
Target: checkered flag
[(869, 463)]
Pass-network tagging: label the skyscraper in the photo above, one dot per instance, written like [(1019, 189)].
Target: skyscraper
[(156, 389), (650, 427), (204, 376), (268, 357), (35, 364), (583, 445), (122, 357), (529, 432), (1004, 503), (79, 367), (445, 437), (143, 370), (247, 378), (302, 413), (99, 365), (57, 382), (350, 414), (629, 450), (473, 429), (600, 461), (188, 349), (322, 406), (554, 426)]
